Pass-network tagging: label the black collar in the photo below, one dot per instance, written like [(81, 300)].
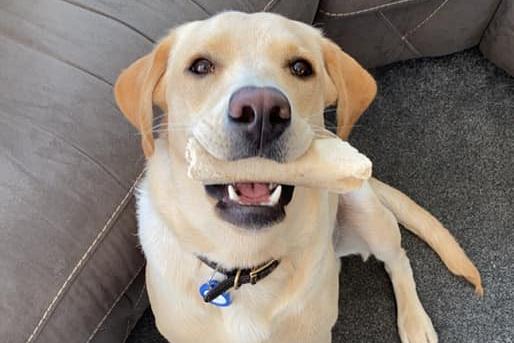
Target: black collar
[(237, 277)]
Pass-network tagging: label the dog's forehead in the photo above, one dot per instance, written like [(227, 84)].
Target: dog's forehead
[(236, 30)]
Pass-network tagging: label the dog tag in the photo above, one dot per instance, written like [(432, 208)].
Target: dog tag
[(222, 300)]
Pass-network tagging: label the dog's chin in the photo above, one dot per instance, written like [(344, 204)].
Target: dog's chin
[(251, 205)]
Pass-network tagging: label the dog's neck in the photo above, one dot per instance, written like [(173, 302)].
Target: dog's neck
[(237, 277)]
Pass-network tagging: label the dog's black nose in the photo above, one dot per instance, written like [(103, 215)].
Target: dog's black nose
[(259, 115)]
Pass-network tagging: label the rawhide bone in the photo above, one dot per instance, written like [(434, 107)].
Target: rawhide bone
[(330, 163)]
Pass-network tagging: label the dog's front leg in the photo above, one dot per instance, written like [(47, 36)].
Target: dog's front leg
[(366, 224), (414, 325)]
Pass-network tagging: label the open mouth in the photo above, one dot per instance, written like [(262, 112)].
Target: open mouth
[(251, 204)]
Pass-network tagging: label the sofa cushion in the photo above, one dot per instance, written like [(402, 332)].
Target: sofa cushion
[(69, 163), (378, 32)]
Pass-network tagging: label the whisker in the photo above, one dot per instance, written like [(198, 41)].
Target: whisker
[(158, 126), (172, 129), (160, 116), (163, 130)]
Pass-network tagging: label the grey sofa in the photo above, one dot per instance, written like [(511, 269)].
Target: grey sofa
[(70, 266)]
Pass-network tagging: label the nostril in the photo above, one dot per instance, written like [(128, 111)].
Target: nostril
[(274, 115), (279, 115), (247, 115), (243, 115)]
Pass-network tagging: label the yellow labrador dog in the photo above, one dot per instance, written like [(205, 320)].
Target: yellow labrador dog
[(256, 85)]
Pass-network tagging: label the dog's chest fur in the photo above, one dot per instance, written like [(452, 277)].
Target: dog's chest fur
[(298, 300)]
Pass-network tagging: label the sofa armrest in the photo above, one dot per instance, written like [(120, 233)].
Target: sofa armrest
[(498, 41)]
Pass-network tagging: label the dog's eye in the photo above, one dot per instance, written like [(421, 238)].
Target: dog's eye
[(202, 66), (301, 68)]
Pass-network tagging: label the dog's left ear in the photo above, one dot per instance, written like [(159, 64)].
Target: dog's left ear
[(142, 85), (350, 85)]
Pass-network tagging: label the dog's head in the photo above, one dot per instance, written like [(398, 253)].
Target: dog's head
[(244, 85)]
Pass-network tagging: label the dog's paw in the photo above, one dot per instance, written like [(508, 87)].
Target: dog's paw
[(415, 326)]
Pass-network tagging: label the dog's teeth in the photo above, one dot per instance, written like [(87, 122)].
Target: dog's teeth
[(271, 186), (232, 193), (275, 196)]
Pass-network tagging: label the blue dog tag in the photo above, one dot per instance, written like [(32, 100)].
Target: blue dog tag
[(222, 300)]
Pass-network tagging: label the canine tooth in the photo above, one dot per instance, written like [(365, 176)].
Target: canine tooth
[(232, 193), (275, 196), (271, 186)]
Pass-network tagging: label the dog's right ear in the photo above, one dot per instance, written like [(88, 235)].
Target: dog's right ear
[(142, 85)]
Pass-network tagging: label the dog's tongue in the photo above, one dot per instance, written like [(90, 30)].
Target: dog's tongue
[(253, 191)]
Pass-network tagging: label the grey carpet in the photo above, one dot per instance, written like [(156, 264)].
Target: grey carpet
[(441, 130)]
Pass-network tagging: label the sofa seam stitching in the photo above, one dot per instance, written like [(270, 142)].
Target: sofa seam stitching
[(426, 20), (404, 39), (365, 10), (200, 7), (127, 331), (87, 254), (140, 297), (49, 54), (493, 17), (47, 131), (116, 301), (111, 17)]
